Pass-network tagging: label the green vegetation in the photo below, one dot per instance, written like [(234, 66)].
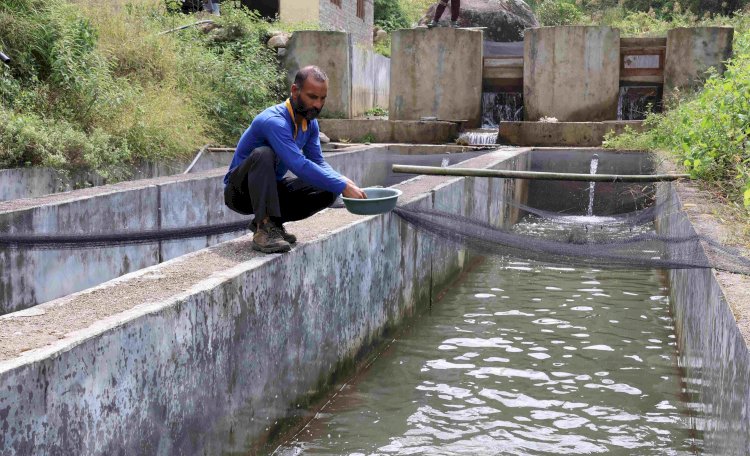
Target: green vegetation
[(555, 12), (395, 14), (707, 131), (94, 85), (376, 112)]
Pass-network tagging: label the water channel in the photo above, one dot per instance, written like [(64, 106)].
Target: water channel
[(521, 358)]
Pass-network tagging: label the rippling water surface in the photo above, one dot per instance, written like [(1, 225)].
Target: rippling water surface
[(520, 358)]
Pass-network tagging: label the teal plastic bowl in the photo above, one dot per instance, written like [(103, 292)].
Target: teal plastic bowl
[(379, 201)]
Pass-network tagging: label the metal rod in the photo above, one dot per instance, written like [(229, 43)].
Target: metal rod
[(480, 172), (4, 58), (195, 160), (183, 27)]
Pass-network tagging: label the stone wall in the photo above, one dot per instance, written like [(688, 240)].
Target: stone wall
[(371, 74), (29, 277), (436, 73), (690, 53), (17, 183), (359, 79), (713, 352), (332, 52), (571, 73), (567, 134), (389, 131), (223, 360), (344, 18)]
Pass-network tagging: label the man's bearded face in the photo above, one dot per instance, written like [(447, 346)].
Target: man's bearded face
[(308, 112)]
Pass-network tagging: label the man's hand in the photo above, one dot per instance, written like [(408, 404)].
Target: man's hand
[(352, 191)]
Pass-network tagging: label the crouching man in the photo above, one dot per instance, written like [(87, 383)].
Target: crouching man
[(285, 138)]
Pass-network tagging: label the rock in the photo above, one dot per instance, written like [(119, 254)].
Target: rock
[(208, 26), (381, 36), (279, 41), (324, 139), (505, 20)]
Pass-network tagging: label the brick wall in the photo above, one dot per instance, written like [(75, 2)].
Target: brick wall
[(344, 18)]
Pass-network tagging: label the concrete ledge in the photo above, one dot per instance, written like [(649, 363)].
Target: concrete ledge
[(211, 352), (389, 131), (583, 134), (30, 277), (712, 317), (16, 183)]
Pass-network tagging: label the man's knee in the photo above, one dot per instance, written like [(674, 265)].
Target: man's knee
[(264, 156), (329, 198)]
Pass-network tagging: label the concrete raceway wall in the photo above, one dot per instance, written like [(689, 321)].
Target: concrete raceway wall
[(30, 277), (220, 363), (713, 351)]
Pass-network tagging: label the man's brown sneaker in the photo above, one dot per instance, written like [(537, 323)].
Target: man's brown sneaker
[(288, 237), (267, 239)]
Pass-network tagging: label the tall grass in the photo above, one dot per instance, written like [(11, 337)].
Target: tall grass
[(94, 85)]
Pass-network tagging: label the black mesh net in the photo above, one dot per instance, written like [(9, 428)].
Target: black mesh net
[(622, 241), (74, 241), (625, 240)]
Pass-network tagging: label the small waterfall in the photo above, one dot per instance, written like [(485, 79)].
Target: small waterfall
[(482, 137), (500, 106), (592, 185), (636, 102)]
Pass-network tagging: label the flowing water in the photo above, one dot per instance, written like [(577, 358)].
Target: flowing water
[(520, 358), (592, 185), (636, 102), (501, 106), (480, 137)]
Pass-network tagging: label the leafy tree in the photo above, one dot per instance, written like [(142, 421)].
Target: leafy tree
[(390, 15)]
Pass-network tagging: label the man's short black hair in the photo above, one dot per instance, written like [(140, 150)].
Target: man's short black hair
[(309, 71)]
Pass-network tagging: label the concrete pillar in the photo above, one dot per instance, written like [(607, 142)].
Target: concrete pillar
[(331, 51), (436, 73), (571, 73), (691, 51)]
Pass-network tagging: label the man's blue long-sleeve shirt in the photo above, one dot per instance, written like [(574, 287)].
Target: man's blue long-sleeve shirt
[(302, 155)]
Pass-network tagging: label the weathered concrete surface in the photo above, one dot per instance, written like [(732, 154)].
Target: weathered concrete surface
[(216, 347), (573, 197), (30, 277), (571, 73), (712, 318), (563, 134), (331, 51), (436, 73), (17, 183), (359, 79), (371, 74), (389, 131), (691, 51)]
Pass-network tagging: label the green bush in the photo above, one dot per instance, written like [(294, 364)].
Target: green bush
[(94, 85), (390, 15), (558, 12), (708, 131)]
